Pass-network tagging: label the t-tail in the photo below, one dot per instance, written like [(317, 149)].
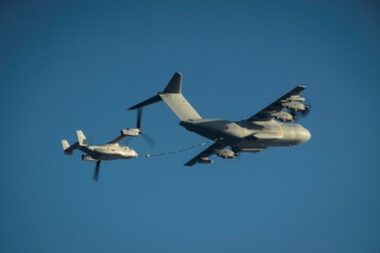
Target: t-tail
[(172, 96)]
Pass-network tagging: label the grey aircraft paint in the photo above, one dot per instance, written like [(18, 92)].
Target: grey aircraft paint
[(97, 153), (267, 128)]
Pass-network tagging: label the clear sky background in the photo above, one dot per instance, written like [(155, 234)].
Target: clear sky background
[(67, 65)]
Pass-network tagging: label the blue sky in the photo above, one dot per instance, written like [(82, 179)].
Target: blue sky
[(67, 65)]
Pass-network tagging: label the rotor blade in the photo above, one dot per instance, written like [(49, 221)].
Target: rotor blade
[(127, 142), (307, 111), (96, 171), (139, 117), (148, 139), (297, 115)]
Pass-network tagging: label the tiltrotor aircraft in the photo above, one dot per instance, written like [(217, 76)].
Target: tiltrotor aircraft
[(109, 151), (269, 127)]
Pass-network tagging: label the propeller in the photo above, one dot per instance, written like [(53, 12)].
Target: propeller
[(307, 111), (146, 137), (139, 118), (302, 114), (96, 171)]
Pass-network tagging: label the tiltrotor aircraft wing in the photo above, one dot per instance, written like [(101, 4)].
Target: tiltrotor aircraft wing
[(133, 132), (202, 157), (291, 100)]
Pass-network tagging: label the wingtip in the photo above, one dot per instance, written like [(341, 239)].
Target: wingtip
[(189, 163)]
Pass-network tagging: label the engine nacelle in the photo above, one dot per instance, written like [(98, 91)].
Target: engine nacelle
[(130, 132), (283, 116), (297, 98), (295, 106), (88, 158), (205, 160), (226, 154), (250, 150)]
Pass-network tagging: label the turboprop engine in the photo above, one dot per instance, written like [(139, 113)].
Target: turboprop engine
[(283, 116), (130, 132), (205, 160), (295, 106), (88, 158), (296, 98), (226, 154)]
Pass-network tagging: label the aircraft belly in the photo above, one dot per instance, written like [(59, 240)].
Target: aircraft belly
[(109, 156), (271, 133), (214, 134)]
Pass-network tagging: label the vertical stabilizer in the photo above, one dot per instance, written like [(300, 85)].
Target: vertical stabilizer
[(175, 84), (81, 138), (65, 145), (180, 106), (67, 148), (172, 96)]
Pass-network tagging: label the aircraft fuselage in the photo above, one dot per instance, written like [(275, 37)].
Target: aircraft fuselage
[(245, 136), (108, 152)]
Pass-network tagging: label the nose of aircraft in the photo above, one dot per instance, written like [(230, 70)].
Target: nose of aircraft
[(305, 135)]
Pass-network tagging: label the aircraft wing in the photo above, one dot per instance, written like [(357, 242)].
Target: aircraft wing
[(117, 139), (202, 157), (132, 132), (277, 105)]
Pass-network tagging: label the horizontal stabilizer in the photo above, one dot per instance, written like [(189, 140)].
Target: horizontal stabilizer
[(174, 87), (172, 96), (180, 106), (149, 101)]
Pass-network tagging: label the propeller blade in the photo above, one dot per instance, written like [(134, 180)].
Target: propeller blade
[(307, 111), (301, 114), (139, 117), (127, 142), (148, 140), (146, 137), (96, 171)]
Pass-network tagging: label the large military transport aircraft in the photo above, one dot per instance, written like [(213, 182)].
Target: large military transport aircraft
[(269, 127)]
